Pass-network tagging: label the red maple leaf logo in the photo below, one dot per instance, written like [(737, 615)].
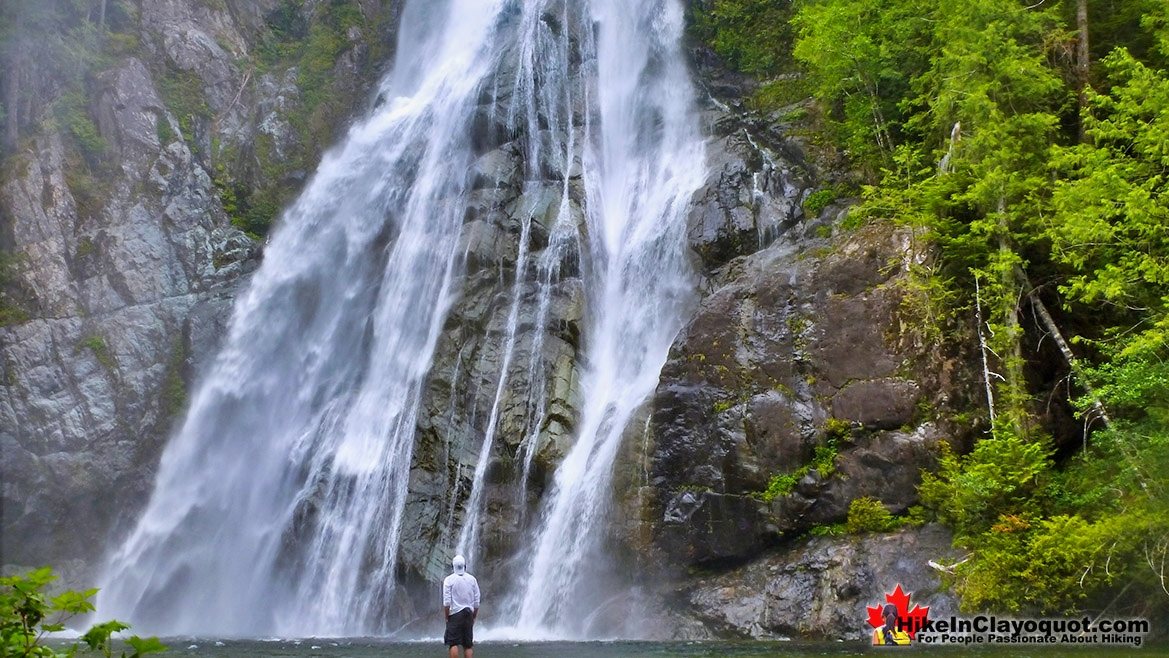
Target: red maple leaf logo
[(908, 620)]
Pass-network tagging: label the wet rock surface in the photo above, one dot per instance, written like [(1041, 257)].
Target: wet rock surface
[(507, 364), (756, 183), (823, 587), (796, 352), (128, 302), (125, 261)]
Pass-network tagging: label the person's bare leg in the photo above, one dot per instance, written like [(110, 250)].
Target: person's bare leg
[(469, 652), (455, 651)]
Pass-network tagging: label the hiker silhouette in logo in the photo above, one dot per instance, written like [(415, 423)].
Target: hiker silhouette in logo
[(890, 634)]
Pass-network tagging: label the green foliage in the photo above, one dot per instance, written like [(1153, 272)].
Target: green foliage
[(965, 118), (817, 201), (828, 530), (311, 39), (824, 459), (782, 484), (101, 351), (286, 21), (999, 478), (85, 248), (751, 35), (917, 516), (868, 514), (174, 390), (162, 129), (250, 210), (313, 47), (836, 429), (781, 92), (258, 213), (860, 59), (72, 113), (823, 462), (317, 59), (123, 43), (52, 48), (85, 188), (1111, 206), (1049, 541), (11, 311), (28, 613), (182, 92)]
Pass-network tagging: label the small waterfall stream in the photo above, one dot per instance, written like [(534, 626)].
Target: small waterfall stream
[(278, 504)]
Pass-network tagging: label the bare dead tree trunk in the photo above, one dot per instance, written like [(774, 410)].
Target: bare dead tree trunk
[(984, 349), (1065, 349), (101, 18), (1012, 360), (1098, 410), (1083, 62)]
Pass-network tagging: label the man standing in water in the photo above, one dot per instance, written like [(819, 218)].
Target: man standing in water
[(460, 604)]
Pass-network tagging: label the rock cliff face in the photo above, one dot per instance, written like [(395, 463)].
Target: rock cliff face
[(795, 350), (822, 587), (124, 245), (802, 382)]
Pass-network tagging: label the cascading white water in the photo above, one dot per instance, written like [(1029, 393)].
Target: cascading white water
[(278, 504), (641, 167)]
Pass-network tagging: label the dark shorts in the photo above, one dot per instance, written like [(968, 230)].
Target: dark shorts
[(459, 629)]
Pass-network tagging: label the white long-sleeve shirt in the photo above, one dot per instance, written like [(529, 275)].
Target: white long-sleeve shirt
[(460, 591)]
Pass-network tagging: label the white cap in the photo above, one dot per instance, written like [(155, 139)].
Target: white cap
[(459, 563)]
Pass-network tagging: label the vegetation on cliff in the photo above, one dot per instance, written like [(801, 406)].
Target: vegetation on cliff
[(1026, 142), (54, 52)]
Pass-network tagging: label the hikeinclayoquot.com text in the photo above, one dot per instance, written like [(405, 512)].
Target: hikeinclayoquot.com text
[(988, 629)]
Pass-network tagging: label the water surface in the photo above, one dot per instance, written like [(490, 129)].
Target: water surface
[(371, 648)]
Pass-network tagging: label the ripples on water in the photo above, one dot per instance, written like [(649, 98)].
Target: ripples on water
[(364, 648)]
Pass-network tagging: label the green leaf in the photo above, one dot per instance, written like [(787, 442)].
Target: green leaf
[(98, 635), (145, 645), (74, 602)]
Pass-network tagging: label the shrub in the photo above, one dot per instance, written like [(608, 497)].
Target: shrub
[(1000, 477), (869, 515), (817, 201), (182, 92), (11, 311), (782, 484), (823, 462), (71, 112), (28, 614)]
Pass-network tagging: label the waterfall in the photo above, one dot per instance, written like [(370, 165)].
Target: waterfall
[(640, 171), (278, 503)]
